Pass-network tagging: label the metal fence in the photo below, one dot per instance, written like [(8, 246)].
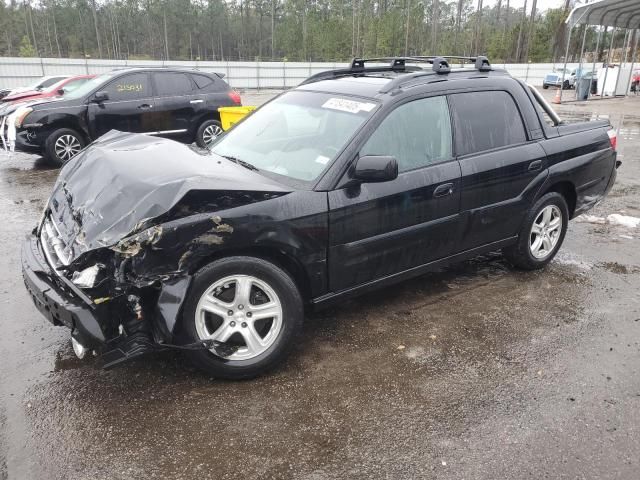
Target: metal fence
[(17, 71)]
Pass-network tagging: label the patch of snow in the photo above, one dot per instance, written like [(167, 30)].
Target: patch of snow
[(591, 219), (613, 219), (572, 260), (624, 220)]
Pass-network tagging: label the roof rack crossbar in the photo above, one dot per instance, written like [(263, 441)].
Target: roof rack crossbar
[(440, 65)]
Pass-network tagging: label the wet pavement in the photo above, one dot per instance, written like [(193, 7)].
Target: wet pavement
[(477, 371)]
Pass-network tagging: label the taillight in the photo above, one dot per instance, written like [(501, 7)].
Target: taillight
[(613, 138), (235, 97)]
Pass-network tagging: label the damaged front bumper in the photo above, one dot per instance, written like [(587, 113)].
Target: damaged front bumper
[(61, 302), (106, 327)]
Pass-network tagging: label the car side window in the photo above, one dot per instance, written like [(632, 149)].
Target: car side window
[(417, 134), (50, 81), (73, 84), (486, 120), (172, 83), (202, 81), (129, 87)]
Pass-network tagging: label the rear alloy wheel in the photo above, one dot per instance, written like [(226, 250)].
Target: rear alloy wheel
[(545, 232), (62, 145), (208, 132), (541, 234), (251, 306)]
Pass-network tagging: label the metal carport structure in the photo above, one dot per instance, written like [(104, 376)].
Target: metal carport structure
[(619, 14)]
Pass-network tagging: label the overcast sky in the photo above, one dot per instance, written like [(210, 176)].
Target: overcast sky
[(542, 4)]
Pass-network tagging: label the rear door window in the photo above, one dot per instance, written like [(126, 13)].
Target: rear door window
[(486, 120), (417, 134), (129, 87), (73, 84), (172, 83), (50, 81)]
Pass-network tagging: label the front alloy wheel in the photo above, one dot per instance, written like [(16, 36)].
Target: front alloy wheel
[(243, 311), (62, 145), (248, 304), (67, 147)]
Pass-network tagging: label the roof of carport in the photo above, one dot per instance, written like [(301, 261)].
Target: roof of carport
[(608, 13)]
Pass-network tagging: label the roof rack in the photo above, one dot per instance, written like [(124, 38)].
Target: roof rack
[(399, 64)]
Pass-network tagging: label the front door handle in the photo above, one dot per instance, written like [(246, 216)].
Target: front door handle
[(443, 190), (535, 165), (195, 101), (145, 106)]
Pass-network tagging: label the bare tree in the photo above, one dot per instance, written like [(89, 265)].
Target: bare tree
[(434, 26), (478, 35), (523, 24), (406, 36), (95, 23), (532, 28)]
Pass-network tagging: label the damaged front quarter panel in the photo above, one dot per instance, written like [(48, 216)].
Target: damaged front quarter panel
[(148, 222)]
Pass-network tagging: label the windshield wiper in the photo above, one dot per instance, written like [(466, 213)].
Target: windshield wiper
[(240, 162)]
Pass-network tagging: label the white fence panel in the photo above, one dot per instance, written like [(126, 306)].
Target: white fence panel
[(16, 71)]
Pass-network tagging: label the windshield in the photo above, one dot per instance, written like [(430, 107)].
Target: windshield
[(88, 86), (297, 135)]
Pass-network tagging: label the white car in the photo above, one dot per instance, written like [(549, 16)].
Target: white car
[(554, 79)]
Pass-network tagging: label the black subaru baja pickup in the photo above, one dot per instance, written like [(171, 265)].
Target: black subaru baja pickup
[(356, 179)]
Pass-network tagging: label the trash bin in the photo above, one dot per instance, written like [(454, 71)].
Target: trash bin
[(229, 116), (582, 87)]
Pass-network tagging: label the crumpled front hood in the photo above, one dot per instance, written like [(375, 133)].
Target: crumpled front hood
[(123, 180)]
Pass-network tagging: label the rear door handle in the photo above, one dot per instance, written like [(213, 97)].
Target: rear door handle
[(196, 101), (145, 106), (443, 190), (535, 165)]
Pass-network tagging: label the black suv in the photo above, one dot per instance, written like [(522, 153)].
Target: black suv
[(177, 103), (356, 179)]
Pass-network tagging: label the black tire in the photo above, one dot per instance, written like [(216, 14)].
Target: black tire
[(201, 137), (520, 254), (292, 316), (545, 86), (566, 85), (52, 156)]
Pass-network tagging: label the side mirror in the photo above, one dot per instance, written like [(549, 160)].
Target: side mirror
[(60, 91), (375, 168), (100, 96)]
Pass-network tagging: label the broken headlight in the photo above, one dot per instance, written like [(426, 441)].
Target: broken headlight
[(87, 278), (21, 114)]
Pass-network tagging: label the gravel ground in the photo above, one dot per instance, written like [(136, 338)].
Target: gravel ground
[(474, 372)]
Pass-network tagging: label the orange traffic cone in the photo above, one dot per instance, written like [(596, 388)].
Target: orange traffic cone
[(557, 98)]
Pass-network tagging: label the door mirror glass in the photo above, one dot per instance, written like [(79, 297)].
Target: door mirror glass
[(101, 96), (60, 91), (375, 168)]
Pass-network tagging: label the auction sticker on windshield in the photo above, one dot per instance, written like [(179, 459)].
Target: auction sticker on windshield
[(351, 106)]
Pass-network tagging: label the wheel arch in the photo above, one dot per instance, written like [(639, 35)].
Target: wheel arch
[(71, 124), (567, 190), (271, 254)]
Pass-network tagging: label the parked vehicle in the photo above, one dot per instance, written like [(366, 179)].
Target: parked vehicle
[(554, 79), (354, 180), (178, 103), (39, 84), (57, 89)]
